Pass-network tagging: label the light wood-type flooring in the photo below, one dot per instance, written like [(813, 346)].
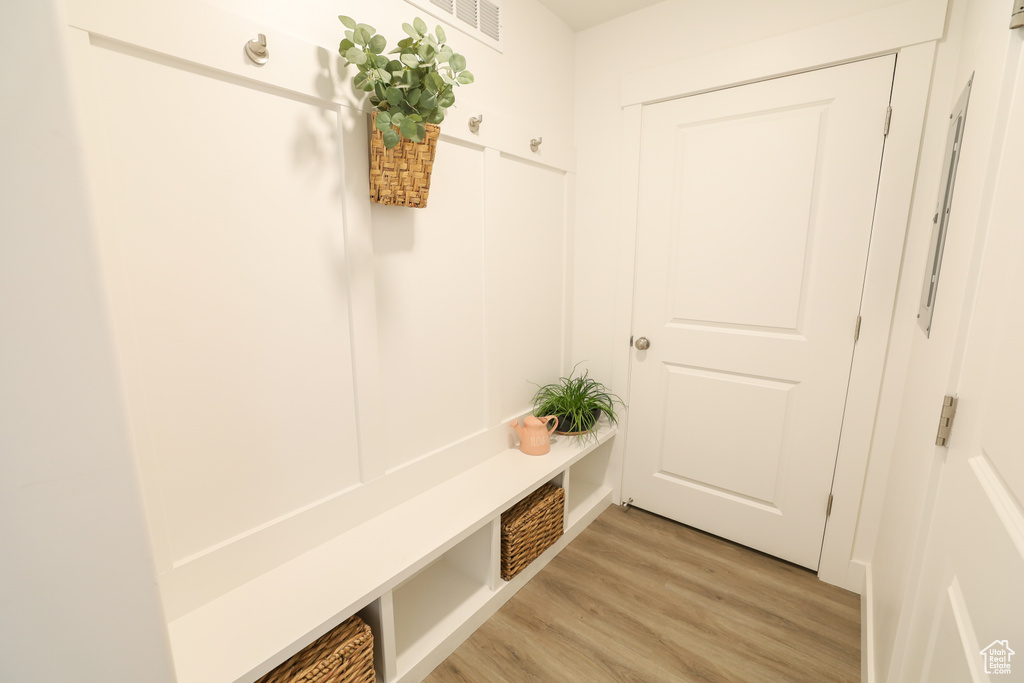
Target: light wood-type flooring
[(639, 598)]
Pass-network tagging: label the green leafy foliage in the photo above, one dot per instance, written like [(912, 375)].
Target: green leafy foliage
[(577, 401), (410, 90)]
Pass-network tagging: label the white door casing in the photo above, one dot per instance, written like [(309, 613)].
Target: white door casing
[(754, 221)]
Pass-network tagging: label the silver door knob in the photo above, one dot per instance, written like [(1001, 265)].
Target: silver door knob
[(642, 344)]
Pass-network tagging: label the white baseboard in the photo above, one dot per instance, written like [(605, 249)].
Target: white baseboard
[(855, 577), (867, 629), (851, 577)]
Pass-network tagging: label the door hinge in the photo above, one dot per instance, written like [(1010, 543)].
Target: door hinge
[(856, 330), (888, 120), (630, 341), (946, 420), (828, 508)]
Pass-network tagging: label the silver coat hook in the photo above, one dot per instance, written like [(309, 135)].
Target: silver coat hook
[(257, 51), (535, 144), (474, 123)]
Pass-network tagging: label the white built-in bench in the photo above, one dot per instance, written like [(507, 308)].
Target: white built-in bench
[(424, 574)]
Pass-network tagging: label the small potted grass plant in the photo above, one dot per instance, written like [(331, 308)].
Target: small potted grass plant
[(410, 88), (577, 401)]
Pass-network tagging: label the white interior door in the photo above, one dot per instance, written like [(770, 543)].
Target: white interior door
[(966, 622), (753, 229)]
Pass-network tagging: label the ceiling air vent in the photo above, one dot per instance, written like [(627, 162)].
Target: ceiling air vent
[(480, 19)]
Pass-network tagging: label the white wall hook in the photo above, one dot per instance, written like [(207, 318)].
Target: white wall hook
[(535, 144), (474, 123)]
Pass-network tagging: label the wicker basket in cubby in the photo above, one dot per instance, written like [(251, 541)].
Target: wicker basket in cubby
[(342, 655), (530, 527)]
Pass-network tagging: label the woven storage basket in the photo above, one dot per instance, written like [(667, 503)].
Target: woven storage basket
[(530, 527), (343, 655), (400, 176)]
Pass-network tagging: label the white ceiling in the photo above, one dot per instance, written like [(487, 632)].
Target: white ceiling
[(582, 14)]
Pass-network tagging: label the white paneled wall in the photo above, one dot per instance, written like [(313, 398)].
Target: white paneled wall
[(238, 243), (430, 309), (230, 303), (528, 257)]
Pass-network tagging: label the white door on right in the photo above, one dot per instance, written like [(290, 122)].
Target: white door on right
[(755, 215), (967, 619)]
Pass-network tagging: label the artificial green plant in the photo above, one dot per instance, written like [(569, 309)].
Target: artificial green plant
[(577, 400), (411, 89)]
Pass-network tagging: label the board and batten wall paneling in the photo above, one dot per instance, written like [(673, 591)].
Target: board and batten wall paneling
[(296, 359), (526, 249), (507, 90), (430, 309), (477, 280), (230, 300)]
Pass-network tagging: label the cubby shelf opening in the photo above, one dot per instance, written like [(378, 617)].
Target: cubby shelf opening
[(587, 484), (431, 605)]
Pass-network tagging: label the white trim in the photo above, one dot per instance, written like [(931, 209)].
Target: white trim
[(1001, 498), (568, 271), (968, 637), (878, 32), (881, 280), (169, 29), (359, 263), (508, 135), (913, 594), (867, 627), (624, 274), (896, 183), (493, 309)]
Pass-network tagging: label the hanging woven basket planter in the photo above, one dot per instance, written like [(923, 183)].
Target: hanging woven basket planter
[(400, 176)]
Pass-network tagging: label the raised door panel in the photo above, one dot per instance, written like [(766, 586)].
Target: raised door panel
[(747, 441), (745, 192), (971, 597), (954, 657)]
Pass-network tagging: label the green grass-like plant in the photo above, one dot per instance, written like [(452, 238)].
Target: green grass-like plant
[(575, 400), (411, 89)]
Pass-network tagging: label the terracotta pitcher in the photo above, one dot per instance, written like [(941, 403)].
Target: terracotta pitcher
[(534, 436)]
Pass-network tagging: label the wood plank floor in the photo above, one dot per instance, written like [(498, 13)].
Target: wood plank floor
[(642, 599)]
